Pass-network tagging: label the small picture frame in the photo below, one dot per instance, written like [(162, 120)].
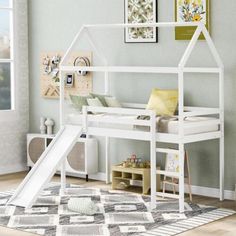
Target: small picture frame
[(69, 80), (191, 11), (141, 11)]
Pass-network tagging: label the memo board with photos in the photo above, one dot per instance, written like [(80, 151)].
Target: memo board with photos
[(74, 83)]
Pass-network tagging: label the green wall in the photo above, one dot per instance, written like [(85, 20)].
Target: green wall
[(52, 26)]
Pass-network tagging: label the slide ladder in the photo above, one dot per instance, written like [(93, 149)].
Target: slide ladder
[(46, 166)]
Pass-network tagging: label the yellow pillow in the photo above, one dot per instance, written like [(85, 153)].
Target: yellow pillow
[(164, 102)]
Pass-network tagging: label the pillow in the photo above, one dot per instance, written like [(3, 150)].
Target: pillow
[(79, 101), (163, 102), (101, 97), (112, 102), (94, 102)]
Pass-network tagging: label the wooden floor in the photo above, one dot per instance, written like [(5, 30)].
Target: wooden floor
[(226, 226)]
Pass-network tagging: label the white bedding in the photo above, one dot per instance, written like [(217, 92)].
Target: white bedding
[(164, 124), (171, 125)]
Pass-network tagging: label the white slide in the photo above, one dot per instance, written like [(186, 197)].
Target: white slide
[(44, 169)]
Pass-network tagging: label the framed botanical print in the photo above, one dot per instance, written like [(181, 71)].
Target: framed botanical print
[(191, 11), (141, 11)]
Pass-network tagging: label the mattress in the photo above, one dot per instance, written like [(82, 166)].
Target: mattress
[(164, 124), (170, 125)]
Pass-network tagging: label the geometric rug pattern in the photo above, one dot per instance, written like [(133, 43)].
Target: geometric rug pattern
[(119, 214)]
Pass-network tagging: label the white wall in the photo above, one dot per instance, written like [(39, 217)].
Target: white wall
[(13, 130), (53, 24)]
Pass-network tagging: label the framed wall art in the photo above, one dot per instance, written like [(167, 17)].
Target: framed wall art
[(190, 11), (141, 11)]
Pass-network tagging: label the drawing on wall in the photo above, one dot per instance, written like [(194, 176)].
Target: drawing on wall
[(191, 11), (75, 83), (140, 11)]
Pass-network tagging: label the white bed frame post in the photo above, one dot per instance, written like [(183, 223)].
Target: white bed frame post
[(153, 160), (107, 139), (62, 105), (62, 123), (106, 88), (107, 145), (222, 145), (182, 65), (181, 136), (85, 119), (221, 106)]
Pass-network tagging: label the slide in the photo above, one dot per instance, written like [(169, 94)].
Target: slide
[(44, 169)]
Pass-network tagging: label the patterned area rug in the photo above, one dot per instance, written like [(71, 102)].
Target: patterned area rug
[(119, 214)]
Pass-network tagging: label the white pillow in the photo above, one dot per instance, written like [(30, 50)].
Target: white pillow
[(94, 102), (112, 102)]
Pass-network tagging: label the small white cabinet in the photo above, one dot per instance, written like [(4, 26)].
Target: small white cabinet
[(82, 160)]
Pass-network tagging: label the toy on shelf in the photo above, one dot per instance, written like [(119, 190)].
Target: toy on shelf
[(134, 162)]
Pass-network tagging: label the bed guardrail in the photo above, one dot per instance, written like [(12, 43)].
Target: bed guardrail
[(118, 111), (125, 121), (138, 110)]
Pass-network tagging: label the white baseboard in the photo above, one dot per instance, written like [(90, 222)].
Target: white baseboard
[(207, 192), (212, 192), (12, 169)]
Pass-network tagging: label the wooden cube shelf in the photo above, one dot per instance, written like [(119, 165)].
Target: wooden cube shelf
[(133, 177)]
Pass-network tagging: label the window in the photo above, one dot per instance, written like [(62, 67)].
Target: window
[(6, 56)]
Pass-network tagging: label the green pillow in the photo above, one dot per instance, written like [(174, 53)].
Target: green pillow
[(101, 97), (94, 102), (79, 101), (112, 102)]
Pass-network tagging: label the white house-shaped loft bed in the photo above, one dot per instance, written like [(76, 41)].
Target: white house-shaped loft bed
[(106, 125), (181, 139)]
